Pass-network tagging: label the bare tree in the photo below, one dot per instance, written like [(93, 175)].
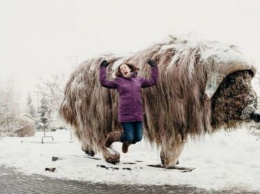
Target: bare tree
[(52, 91), (30, 107), (9, 109)]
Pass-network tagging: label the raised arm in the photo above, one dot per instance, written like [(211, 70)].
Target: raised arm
[(103, 78), (154, 75)]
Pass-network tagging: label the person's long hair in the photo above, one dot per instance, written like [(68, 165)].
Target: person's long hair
[(132, 67)]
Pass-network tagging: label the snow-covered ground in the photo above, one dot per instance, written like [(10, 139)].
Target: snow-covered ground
[(222, 161)]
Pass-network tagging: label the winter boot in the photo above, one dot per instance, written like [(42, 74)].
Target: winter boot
[(113, 137), (125, 147)]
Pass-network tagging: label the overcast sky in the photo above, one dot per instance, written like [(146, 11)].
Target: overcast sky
[(43, 37)]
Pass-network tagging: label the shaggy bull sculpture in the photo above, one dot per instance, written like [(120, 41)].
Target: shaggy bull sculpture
[(203, 86)]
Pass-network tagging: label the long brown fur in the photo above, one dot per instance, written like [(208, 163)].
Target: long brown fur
[(187, 100)]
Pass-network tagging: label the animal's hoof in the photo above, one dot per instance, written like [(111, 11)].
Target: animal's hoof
[(90, 153), (111, 155), (112, 160), (88, 150)]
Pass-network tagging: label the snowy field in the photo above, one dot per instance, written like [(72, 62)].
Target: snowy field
[(222, 161)]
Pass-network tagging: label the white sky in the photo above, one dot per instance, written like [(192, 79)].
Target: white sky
[(222, 161), (43, 37)]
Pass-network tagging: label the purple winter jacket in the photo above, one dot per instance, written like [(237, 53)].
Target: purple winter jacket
[(130, 107)]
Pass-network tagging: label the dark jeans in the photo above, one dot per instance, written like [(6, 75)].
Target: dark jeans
[(133, 132)]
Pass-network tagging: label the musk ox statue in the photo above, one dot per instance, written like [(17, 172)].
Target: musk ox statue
[(203, 86)]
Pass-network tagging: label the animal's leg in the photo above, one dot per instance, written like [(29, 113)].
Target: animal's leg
[(171, 153), (112, 137), (110, 155)]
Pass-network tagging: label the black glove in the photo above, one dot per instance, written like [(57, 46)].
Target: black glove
[(104, 63), (152, 62)]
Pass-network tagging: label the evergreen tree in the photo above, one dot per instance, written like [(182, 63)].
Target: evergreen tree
[(44, 120)]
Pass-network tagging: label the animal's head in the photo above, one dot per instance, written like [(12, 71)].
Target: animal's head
[(235, 101)]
